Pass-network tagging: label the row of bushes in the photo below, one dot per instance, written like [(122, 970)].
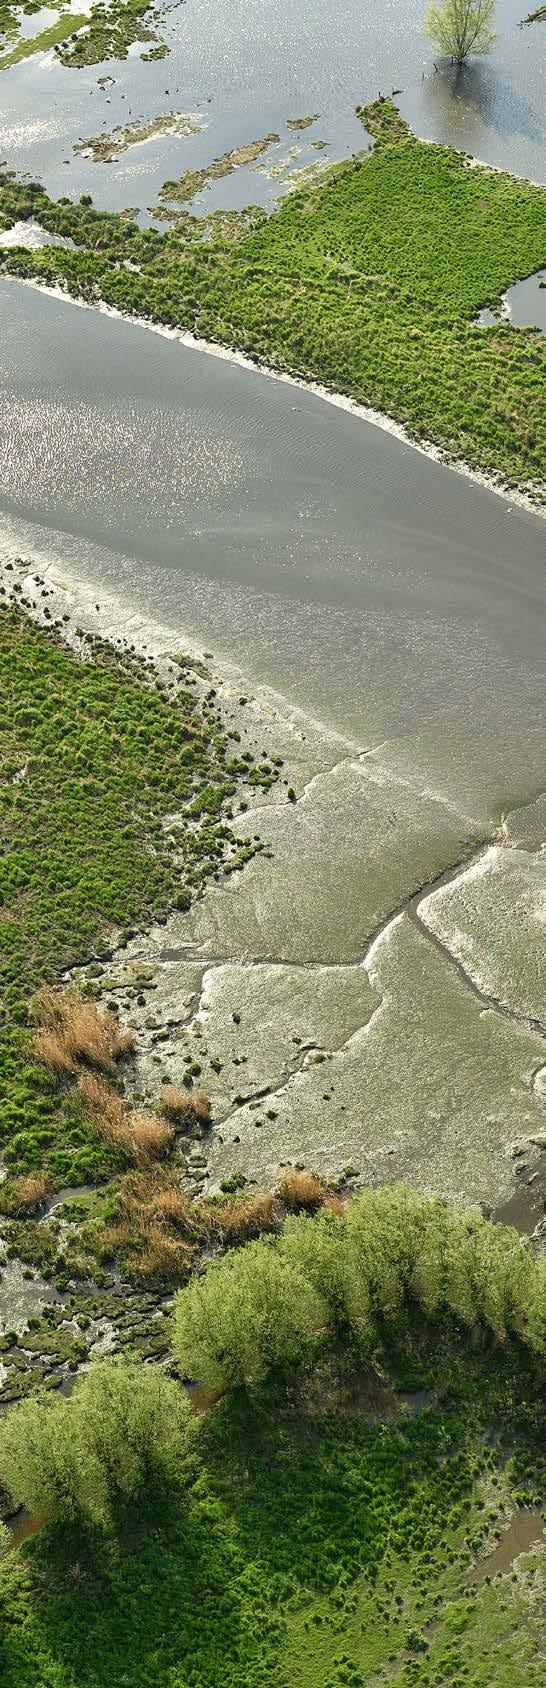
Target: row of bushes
[(270, 1306), (276, 1302)]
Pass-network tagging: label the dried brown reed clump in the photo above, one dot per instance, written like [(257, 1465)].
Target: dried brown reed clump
[(74, 1030), (50, 1050), (335, 1204), (162, 1256), (237, 1221), (141, 1137), (185, 1107), (302, 1191), (27, 1193), (155, 1194)]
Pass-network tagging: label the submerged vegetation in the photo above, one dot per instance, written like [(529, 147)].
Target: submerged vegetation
[(368, 278)]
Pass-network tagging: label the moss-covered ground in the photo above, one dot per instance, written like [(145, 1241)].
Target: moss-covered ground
[(310, 1547), (93, 754), (368, 278)]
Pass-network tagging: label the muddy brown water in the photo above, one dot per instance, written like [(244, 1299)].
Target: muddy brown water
[(526, 1529)]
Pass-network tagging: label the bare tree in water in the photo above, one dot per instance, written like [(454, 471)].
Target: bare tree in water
[(461, 27)]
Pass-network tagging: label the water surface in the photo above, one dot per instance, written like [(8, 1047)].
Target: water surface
[(390, 596)]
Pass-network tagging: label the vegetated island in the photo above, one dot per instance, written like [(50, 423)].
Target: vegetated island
[(368, 279)]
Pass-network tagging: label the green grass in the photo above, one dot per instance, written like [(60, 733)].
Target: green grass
[(92, 755), (368, 278), (314, 1549)]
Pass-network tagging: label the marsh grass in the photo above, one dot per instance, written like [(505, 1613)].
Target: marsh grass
[(140, 1137), (185, 1108), (106, 756), (23, 1196), (302, 1191), (79, 1032)]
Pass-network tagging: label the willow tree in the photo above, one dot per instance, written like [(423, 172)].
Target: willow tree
[(461, 28)]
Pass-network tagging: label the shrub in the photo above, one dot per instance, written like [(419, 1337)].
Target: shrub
[(251, 1313), (267, 1306), (120, 1435), (43, 1464)]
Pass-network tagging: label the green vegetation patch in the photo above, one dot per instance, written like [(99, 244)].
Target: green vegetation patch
[(298, 1546), (368, 278), (106, 33), (112, 30), (62, 30), (92, 755)]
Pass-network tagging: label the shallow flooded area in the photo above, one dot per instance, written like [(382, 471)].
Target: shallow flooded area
[(241, 78)]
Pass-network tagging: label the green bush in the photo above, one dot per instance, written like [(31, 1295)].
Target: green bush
[(120, 1436), (252, 1313)]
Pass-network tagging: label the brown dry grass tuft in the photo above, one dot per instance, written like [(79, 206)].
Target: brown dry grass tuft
[(239, 1220), (122, 1041), (27, 1193), (185, 1107), (335, 1205), (141, 1137), (302, 1190), (162, 1256), (74, 1029), (50, 1050)]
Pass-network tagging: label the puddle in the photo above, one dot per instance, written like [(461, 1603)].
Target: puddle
[(525, 1529), (525, 1209), (23, 1525), (523, 305), (21, 1298), (74, 1193)]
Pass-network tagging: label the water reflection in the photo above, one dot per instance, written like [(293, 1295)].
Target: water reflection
[(463, 100)]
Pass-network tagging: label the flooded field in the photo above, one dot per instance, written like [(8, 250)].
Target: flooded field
[(241, 78)]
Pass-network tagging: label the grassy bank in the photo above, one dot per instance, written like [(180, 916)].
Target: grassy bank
[(368, 279), (93, 755)]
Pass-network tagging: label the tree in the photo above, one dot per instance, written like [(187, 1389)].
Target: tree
[(120, 1434), (133, 1419), (42, 1463), (461, 27), (251, 1313)]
